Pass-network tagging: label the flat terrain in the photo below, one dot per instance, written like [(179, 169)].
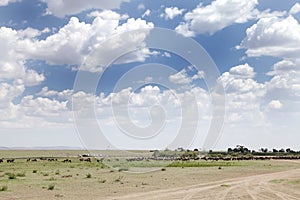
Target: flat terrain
[(41, 179)]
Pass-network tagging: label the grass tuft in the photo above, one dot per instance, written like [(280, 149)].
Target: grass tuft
[(89, 175), (3, 188), (11, 175), (51, 187)]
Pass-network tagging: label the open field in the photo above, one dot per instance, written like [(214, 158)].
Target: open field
[(254, 179)]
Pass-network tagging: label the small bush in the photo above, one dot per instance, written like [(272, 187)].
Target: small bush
[(118, 179), (11, 175), (123, 170), (45, 174), (51, 187), (102, 181), (57, 172), (51, 179), (89, 175), (3, 188), (21, 174)]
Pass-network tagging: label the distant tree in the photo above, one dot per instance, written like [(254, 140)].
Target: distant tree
[(180, 149), (275, 151), (281, 151), (229, 150), (264, 150), (288, 150), (195, 149)]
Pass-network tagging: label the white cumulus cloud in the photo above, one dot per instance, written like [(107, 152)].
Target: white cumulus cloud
[(61, 8), (275, 36), (172, 12), (217, 15)]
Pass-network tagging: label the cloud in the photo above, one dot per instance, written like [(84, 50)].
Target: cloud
[(180, 78), (14, 47), (183, 29), (146, 13), (275, 36), (242, 71), (243, 96), (6, 2), (61, 8), (141, 7), (216, 16), (172, 12), (295, 9), (77, 39), (275, 104), (8, 92)]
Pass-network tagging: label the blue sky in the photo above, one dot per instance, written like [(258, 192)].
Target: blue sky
[(51, 50)]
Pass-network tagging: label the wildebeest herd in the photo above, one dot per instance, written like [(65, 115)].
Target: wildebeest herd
[(172, 158)]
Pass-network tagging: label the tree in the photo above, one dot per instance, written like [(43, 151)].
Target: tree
[(281, 151), (264, 150), (275, 151), (229, 150)]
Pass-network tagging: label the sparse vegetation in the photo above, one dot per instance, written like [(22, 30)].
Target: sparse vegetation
[(51, 187), (110, 177), (89, 175), (21, 174), (3, 188), (45, 174), (11, 175), (118, 179), (123, 169), (203, 164)]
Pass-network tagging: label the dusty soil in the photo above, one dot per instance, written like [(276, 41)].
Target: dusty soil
[(272, 179), (264, 186)]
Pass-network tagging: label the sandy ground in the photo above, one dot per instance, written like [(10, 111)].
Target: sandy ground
[(250, 187)]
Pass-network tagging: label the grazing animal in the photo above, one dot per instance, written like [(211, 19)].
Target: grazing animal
[(10, 160), (67, 160), (1, 160)]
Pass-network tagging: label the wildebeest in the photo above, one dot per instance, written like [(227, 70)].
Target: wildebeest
[(67, 160), (1, 160), (10, 160), (85, 159)]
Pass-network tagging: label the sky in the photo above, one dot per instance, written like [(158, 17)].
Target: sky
[(129, 74)]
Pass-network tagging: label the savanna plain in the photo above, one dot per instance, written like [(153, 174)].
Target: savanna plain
[(69, 175)]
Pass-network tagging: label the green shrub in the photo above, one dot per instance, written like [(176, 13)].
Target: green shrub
[(3, 188), (51, 187), (45, 174), (123, 170), (89, 175), (21, 174), (102, 181), (118, 179), (11, 175)]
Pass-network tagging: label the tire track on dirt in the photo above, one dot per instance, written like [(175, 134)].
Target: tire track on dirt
[(253, 187)]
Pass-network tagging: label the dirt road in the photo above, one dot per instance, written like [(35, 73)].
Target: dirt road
[(265, 186)]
